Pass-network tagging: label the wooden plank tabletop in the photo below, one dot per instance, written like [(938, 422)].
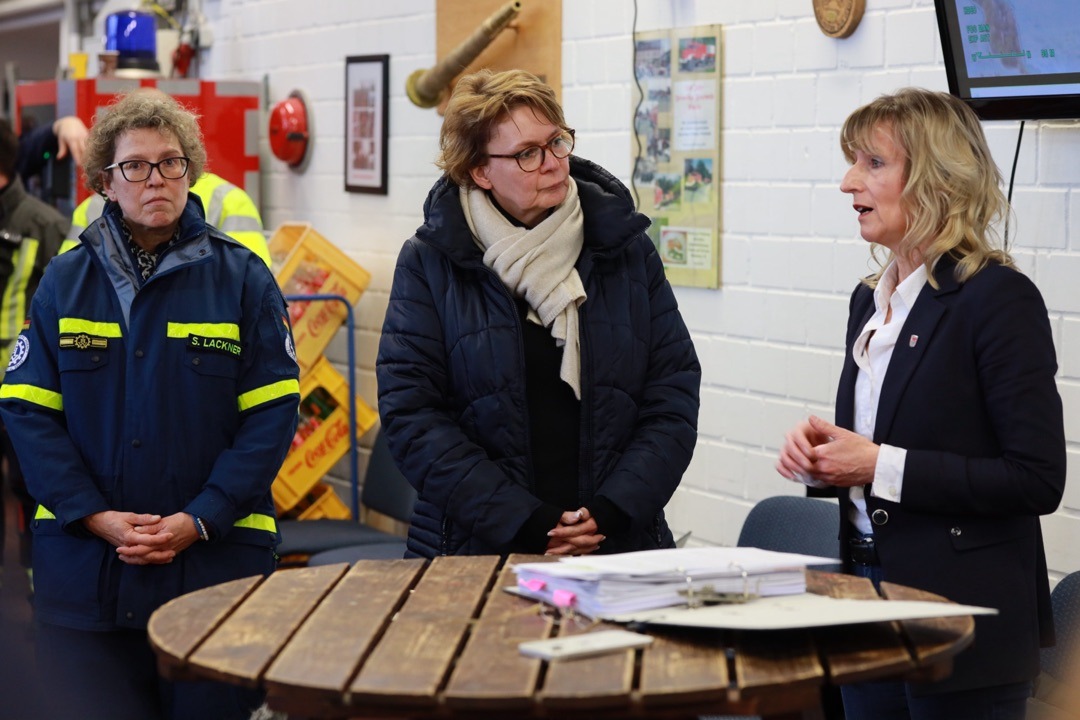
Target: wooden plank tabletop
[(323, 656), (182, 624), (241, 648), (858, 652), (412, 661), (440, 639)]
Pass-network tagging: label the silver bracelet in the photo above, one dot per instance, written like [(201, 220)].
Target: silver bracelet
[(201, 528)]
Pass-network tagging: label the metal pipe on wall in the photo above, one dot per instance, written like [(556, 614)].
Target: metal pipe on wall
[(427, 88)]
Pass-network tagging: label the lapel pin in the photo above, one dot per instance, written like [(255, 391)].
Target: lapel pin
[(912, 340)]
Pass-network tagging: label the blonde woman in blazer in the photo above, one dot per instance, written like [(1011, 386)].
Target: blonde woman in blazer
[(949, 440)]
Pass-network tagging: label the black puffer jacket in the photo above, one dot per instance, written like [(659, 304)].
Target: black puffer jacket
[(451, 375)]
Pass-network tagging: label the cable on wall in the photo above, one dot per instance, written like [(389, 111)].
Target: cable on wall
[(1012, 177), (641, 99)]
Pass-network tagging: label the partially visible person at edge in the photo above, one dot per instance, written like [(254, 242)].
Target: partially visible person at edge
[(227, 206), (63, 138), (949, 441), (537, 384), (152, 399), (30, 235)]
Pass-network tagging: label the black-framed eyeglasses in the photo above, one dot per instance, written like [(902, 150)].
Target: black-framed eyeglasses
[(172, 168), (531, 158)]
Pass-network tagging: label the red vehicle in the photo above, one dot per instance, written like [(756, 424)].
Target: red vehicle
[(695, 54)]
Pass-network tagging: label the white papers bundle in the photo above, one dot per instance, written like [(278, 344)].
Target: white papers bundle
[(605, 585), (801, 611)]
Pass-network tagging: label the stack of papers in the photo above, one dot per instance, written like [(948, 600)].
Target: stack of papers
[(606, 585), (801, 611)]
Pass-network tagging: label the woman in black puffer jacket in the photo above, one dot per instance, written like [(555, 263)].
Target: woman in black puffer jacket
[(537, 384)]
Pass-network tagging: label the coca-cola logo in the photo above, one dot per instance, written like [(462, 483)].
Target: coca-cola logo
[(335, 433), (326, 314), (319, 321)]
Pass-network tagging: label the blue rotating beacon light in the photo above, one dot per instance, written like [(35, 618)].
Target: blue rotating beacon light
[(132, 34)]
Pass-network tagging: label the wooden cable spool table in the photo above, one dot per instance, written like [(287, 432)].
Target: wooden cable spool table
[(439, 639)]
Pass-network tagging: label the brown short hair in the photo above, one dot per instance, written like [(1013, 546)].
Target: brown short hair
[(481, 101), (952, 188), (142, 109)]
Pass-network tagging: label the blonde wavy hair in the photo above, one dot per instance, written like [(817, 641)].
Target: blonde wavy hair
[(142, 108), (952, 188), (481, 101)]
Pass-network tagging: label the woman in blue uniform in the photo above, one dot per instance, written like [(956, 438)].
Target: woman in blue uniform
[(151, 400)]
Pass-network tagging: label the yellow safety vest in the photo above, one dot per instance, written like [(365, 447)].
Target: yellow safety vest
[(13, 302)]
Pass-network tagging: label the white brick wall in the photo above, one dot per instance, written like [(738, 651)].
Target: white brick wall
[(770, 339)]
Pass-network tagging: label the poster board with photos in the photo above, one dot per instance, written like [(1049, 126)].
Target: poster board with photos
[(677, 168)]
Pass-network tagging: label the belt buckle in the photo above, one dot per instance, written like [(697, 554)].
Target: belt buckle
[(863, 551)]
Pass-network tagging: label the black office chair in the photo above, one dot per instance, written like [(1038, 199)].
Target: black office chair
[(385, 491), (1055, 695), (796, 524)]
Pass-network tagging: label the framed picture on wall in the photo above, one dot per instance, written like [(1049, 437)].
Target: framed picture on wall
[(367, 112)]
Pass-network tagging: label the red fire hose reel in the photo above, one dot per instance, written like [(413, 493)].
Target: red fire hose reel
[(290, 130)]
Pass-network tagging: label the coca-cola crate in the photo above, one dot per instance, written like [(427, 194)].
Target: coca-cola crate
[(306, 263), (321, 502), (322, 434)]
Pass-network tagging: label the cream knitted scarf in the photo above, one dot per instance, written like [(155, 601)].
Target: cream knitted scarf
[(537, 264)]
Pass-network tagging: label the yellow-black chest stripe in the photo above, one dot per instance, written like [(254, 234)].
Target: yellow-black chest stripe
[(83, 341)]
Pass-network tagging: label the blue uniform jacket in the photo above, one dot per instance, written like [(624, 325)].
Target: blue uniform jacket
[(179, 395), (451, 374)]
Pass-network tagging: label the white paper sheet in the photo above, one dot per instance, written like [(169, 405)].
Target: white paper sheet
[(806, 610)]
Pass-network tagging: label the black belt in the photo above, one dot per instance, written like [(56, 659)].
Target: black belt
[(863, 551)]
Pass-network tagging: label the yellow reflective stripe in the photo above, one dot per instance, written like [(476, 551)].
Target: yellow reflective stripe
[(253, 241), (90, 327), (228, 331), (88, 210), (13, 304), (257, 522), (254, 521), (266, 393), (36, 395), (68, 244)]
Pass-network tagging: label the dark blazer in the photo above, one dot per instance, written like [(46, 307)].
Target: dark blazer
[(970, 394)]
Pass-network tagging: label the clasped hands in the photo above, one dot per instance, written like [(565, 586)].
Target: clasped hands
[(827, 455), (142, 538), (576, 534)]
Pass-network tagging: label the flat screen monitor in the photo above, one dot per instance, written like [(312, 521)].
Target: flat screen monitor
[(1013, 59)]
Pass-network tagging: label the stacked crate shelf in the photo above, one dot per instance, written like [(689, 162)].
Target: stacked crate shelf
[(307, 264)]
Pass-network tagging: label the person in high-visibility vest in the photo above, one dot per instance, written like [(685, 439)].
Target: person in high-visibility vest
[(30, 235), (227, 208)]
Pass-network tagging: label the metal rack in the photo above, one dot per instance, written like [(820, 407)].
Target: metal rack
[(350, 325)]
